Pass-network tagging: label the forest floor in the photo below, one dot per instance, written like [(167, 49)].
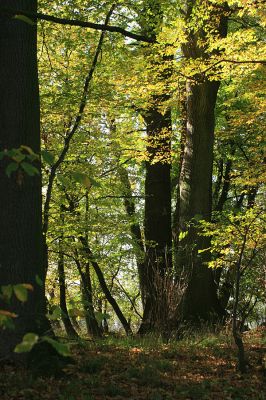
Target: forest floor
[(197, 368)]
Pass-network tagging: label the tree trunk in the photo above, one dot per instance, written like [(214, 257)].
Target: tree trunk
[(134, 229), (104, 287), (157, 222), (70, 330), (157, 219), (93, 328), (21, 252), (200, 301)]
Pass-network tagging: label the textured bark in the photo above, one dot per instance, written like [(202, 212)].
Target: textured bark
[(20, 201), (200, 301), (157, 219)]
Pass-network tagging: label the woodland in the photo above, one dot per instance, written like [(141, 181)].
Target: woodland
[(132, 211)]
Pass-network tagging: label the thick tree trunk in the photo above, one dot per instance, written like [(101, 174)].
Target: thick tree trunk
[(200, 299), (157, 222), (21, 253)]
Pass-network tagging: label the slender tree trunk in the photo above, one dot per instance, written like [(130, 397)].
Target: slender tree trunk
[(70, 330), (134, 228), (21, 252), (91, 322), (104, 287)]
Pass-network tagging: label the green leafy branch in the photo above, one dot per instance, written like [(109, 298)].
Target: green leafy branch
[(21, 160)]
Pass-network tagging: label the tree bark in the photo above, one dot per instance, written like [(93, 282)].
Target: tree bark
[(21, 251), (200, 301), (157, 210)]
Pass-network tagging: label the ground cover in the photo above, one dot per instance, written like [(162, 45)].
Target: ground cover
[(197, 367)]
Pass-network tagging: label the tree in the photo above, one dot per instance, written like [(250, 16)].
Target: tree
[(21, 252), (195, 199)]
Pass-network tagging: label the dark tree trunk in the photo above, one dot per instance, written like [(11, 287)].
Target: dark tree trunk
[(157, 222), (157, 219), (111, 300), (91, 322), (21, 252), (70, 330)]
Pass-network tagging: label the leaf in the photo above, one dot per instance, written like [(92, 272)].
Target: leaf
[(18, 157), (61, 348), (8, 314), (21, 292), (28, 149), (182, 235), (7, 291), (94, 182), (56, 313), (27, 286), (25, 19), (29, 169), (38, 280), (28, 341), (11, 168), (47, 157), (82, 178), (62, 179)]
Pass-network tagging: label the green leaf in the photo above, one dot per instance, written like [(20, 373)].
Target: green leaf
[(47, 157), (29, 169), (198, 217), (56, 313), (18, 157), (82, 178), (28, 149), (38, 280), (182, 235), (25, 19), (62, 179), (21, 292), (11, 168), (61, 348), (7, 291), (28, 341), (94, 182)]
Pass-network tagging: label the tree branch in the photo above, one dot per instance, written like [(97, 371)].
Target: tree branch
[(72, 129), (84, 24)]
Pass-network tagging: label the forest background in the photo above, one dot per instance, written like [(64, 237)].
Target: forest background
[(153, 166)]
